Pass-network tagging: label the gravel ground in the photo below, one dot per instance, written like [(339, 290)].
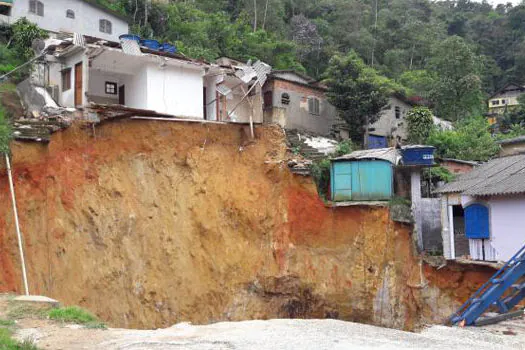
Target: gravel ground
[(271, 335)]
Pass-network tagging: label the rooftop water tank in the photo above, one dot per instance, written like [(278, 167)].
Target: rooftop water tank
[(150, 44), (169, 48)]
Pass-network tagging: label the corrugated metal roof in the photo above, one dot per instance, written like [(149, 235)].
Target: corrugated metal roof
[(391, 155), (499, 176)]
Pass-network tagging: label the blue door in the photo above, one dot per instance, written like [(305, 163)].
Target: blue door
[(375, 142), (372, 180), (477, 221), (341, 181)]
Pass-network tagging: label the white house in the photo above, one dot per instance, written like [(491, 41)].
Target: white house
[(483, 211), (85, 17), (82, 72)]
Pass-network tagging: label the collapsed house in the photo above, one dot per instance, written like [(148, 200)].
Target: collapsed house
[(90, 75)]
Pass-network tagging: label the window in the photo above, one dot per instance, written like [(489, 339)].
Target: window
[(495, 102), (503, 102), (313, 105), (285, 98), (105, 26), (268, 99), (398, 112), (36, 7), (111, 88), (477, 221), (70, 14), (66, 79), (5, 10)]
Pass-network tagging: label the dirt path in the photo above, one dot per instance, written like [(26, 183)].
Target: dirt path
[(271, 335)]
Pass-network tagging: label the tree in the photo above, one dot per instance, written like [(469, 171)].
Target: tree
[(420, 124), (357, 91), (457, 90), (471, 140), (24, 32)]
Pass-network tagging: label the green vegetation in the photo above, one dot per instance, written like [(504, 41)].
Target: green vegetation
[(75, 314), (320, 171), (471, 140), (441, 174), (420, 125), (8, 343), (6, 323), (5, 132), (357, 91)]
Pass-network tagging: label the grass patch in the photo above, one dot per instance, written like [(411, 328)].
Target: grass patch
[(19, 310), (8, 343), (6, 323), (75, 314)]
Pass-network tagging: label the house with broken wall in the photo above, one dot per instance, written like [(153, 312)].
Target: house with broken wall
[(482, 211), (83, 72), (298, 102)]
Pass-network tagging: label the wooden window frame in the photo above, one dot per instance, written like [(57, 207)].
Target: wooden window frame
[(314, 106), (112, 87), (66, 79)]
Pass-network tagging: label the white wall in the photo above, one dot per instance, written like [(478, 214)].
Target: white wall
[(388, 124), (175, 90), (507, 225), (97, 85), (86, 18), (135, 91), (67, 98), (211, 96)]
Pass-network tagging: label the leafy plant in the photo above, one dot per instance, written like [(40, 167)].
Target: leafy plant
[(5, 132), (24, 32), (344, 147), (419, 124), (471, 140), (441, 174), (75, 314), (320, 171)]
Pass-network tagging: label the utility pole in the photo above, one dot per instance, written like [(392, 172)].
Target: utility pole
[(17, 224)]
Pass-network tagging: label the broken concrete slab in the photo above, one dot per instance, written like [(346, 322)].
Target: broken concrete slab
[(37, 300)]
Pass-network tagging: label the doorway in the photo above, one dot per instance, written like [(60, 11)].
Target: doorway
[(122, 95), (461, 243), (78, 84)]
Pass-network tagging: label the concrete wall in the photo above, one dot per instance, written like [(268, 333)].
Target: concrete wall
[(175, 90), (431, 224), (86, 19), (388, 125), (512, 148), (295, 115), (67, 98), (211, 96), (507, 224), (136, 96), (447, 201), (97, 86), (455, 167)]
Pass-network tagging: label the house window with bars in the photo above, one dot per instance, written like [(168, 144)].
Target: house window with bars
[(313, 106), (105, 26), (36, 7), (70, 14), (66, 79)]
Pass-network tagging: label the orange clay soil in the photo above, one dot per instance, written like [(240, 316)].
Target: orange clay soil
[(151, 223)]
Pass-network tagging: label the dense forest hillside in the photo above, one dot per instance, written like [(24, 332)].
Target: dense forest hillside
[(400, 38)]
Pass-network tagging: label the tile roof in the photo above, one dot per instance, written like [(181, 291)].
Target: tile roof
[(500, 176)]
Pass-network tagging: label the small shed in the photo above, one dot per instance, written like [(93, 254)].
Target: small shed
[(363, 175)]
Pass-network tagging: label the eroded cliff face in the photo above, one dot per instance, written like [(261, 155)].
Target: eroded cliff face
[(151, 223)]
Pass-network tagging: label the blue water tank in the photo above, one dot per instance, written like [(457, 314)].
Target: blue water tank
[(130, 37), (169, 48), (150, 44), (418, 155)]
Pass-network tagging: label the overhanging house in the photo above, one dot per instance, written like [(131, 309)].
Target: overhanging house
[(83, 71), (85, 17), (483, 211)]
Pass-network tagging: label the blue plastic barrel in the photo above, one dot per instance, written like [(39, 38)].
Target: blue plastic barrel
[(168, 48), (130, 37), (150, 44)]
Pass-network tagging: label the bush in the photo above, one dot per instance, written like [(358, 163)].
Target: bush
[(420, 125), (24, 32), (75, 314), (5, 133), (321, 173), (344, 147)]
